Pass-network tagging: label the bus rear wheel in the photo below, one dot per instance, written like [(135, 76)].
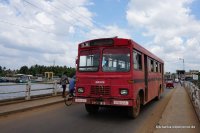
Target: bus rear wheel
[(91, 109), (133, 112)]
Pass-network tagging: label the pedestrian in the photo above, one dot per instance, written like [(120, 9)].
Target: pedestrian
[(72, 83), (64, 81), (181, 82)]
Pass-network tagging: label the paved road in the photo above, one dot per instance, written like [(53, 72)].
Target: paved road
[(74, 119)]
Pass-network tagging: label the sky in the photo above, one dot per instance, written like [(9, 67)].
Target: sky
[(47, 32)]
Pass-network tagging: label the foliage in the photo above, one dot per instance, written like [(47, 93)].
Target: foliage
[(1, 70), (24, 70), (39, 70)]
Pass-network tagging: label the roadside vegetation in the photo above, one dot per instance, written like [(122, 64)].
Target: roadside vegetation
[(38, 70)]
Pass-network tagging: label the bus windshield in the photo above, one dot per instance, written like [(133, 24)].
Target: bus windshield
[(89, 60), (116, 60)]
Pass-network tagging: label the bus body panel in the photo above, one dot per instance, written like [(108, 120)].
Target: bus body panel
[(110, 86), (103, 88)]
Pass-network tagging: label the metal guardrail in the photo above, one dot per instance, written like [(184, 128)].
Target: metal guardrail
[(13, 92), (28, 90), (194, 93), (12, 84)]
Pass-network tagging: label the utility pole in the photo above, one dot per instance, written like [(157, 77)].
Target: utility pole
[(182, 75), (183, 62)]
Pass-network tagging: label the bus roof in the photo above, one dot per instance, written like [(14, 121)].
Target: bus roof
[(121, 41)]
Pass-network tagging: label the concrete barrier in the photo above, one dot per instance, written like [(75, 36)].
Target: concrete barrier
[(194, 93)]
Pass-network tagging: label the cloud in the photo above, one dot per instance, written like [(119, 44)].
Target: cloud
[(43, 19), (172, 26), (109, 31), (41, 32), (38, 32)]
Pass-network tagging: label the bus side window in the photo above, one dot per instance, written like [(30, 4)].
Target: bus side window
[(149, 65), (137, 60), (160, 68), (152, 65), (156, 66)]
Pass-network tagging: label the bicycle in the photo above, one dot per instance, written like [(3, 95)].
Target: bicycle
[(69, 99)]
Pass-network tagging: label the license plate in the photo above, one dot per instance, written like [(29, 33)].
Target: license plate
[(80, 100), (121, 102), (98, 102)]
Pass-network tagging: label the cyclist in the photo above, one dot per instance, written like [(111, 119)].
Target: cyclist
[(72, 85), (64, 81)]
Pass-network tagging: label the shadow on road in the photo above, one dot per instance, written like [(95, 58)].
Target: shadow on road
[(120, 113)]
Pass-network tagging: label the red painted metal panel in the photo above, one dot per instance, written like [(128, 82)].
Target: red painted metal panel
[(107, 85)]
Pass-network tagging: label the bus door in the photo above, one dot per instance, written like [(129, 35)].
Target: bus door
[(151, 78)]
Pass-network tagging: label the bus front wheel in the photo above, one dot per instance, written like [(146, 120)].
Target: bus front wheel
[(91, 109), (133, 112)]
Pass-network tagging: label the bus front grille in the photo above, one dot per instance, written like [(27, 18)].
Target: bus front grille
[(100, 90)]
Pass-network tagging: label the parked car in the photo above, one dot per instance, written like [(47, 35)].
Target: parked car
[(22, 79), (189, 79), (3, 79), (169, 83)]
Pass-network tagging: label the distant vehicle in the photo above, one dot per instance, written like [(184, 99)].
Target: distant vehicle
[(39, 79), (22, 78), (169, 83), (2, 80), (176, 80), (188, 79)]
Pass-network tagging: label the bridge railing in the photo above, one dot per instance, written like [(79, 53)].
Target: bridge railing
[(194, 93), (28, 90)]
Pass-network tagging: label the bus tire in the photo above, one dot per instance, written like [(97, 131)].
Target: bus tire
[(91, 109), (133, 112)]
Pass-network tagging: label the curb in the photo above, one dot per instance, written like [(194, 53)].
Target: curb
[(194, 107), (22, 99), (29, 108), (173, 117)]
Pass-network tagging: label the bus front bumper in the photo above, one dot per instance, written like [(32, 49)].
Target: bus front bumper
[(105, 101)]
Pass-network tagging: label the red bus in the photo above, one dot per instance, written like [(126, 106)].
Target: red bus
[(117, 72)]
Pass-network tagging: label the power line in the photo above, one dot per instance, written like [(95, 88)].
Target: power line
[(80, 15), (41, 9), (35, 6), (79, 20), (97, 24), (29, 28)]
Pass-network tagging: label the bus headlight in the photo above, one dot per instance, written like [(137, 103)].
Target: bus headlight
[(80, 90), (124, 91)]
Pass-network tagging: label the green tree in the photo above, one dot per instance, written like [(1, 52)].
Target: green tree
[(1, 71), (24, 70), (41, 69)]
